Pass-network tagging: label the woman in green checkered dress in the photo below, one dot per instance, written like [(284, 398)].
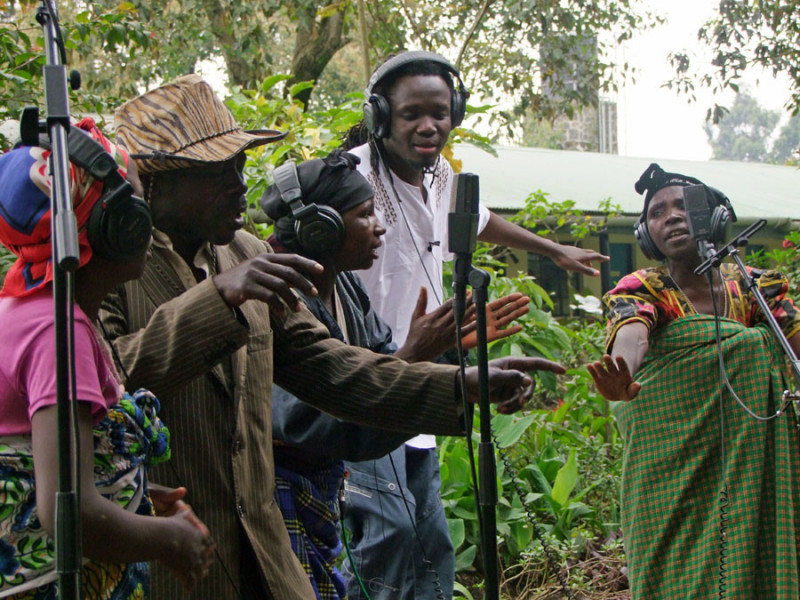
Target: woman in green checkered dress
[(710, 494)]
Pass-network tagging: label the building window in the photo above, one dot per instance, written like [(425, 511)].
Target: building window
[(621, 262), (555, 280), (754, 249)]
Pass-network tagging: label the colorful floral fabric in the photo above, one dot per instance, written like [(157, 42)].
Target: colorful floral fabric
[(653, 298), (130, 438)]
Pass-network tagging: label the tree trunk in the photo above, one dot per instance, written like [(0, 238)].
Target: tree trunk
[(315, 44), (241, 72)]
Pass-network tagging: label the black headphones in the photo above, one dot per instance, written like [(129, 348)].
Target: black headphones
[(120, 224), (377, 112), (319, 230), (722, 215)]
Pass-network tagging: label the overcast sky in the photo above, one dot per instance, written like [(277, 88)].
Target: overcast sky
[(655, 122)]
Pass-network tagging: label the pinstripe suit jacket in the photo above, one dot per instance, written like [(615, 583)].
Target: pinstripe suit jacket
[(213, 367)]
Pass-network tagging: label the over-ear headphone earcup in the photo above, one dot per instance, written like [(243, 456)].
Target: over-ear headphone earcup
[(120, 230), (321, 233), (458, 105), (720, 218), (648, 247), (377, 116)]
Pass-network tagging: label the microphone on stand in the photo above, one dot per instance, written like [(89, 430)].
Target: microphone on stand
[(462, 226), (698, 215)]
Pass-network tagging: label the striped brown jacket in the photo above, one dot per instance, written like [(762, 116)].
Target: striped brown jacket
[(212, 368)]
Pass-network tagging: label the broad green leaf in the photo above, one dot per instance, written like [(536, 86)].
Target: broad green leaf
[(566, 479), (461, 591), (521, 534), (457, 531), (538, 481), (299, 87), (465, 559), (509, 428)]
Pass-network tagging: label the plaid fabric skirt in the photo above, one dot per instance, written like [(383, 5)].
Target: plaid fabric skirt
[(710, 495), (308, 501)]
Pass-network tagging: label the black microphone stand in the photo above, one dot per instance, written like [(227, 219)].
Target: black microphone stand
[(463, 230), (732, 249), (66, 257), (487, 465)]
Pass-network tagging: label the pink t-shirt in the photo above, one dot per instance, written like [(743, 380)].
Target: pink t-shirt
[(27, 362)]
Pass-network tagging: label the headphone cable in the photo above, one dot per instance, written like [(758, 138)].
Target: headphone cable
[(433, 287)]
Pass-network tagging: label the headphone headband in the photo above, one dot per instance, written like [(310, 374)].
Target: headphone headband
[(120, 223), (288, 183), (377, 110), (403, 59)]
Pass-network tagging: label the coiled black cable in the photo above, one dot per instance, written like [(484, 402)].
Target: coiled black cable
[(538, 533)]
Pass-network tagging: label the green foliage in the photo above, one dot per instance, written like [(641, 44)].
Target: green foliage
[(311, 134), (742, 133), (549, 58), (743, 35), (785, 259), (547, 217), (560, 459), (180, 34), (557, 478), (107, 41)]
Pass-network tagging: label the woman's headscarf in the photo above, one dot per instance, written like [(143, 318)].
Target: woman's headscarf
[(655, 178), (25, 215), (331, 181)]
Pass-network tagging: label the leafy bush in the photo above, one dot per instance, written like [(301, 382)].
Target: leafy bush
[(311, 134), (786, 259), (559, 459)]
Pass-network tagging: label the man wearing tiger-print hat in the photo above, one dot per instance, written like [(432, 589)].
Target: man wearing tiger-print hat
[(214, 318)]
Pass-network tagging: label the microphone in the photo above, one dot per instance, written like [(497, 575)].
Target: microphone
[(462, 227), (698, 214)]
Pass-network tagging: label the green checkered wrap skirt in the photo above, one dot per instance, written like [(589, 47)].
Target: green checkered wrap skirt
[(673, 499)]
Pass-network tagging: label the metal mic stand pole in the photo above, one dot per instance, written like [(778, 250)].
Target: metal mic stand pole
[(66, 259), (731, 250), (487, 466)]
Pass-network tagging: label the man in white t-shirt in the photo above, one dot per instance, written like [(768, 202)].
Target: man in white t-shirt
[(412, 103)]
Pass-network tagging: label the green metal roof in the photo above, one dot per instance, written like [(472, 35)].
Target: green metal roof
[(756, 190)]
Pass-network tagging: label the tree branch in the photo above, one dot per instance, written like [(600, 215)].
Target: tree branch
[(471, 32)]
